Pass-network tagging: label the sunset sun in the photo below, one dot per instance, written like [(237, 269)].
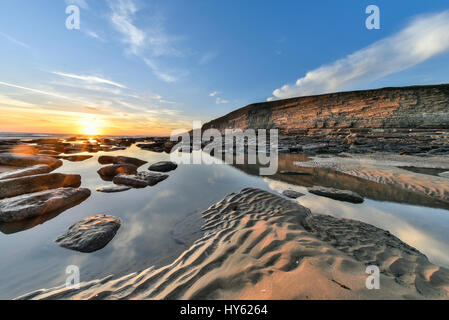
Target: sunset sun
[(91, 127)]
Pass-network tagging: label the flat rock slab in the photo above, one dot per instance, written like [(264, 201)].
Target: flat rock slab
[(29, 184), (109, 172), (76, 158), (163, 166), (90, 234), (121, 160), (140, 180), (40, 203), (24, 160), (292, 194), (336, 194), (444, 174), (113, 189), (296, 173), (23, 172)]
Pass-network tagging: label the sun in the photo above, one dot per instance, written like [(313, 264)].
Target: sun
[(90, 127)]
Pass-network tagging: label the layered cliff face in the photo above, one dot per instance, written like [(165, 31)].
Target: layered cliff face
[(418, 107)]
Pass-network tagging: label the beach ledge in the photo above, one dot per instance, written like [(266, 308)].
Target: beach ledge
[(258, 245)]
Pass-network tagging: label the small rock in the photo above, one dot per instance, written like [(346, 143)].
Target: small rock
[(121, 160), (292, 194), (113, 189), (336, 194), (76, 158), (90, 234), (140, 180), (163, 166), (40, 203)]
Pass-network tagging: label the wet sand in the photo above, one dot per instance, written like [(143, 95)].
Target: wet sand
[(257, 245), (386, 169)]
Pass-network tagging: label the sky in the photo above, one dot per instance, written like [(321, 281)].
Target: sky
[(147, 67)]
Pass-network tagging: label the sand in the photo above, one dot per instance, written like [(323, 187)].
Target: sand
[(385, 169), (257, 245)]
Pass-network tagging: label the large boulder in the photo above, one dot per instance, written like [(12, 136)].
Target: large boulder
[(163, 166), (90, 234), (29, 184), (109, 172), (29, 171), (121, 160), (336, 194), (37, 204), (25, 160), (140, 180)]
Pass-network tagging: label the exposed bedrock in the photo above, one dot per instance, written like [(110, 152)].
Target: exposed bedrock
[(29, 184), (410, 119), (121, 160), (109, 172), (29, 171), (41, 203), (24, 160)]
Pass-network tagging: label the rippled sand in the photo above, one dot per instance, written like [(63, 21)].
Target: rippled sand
[(257, 245), (385, 169)]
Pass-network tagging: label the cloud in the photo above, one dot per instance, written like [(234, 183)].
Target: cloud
[(164, 76), (90, 79), (425, 37), (213, 94), (146, 44), (51, 94), (14, 40), (221, 101), (207, 58)]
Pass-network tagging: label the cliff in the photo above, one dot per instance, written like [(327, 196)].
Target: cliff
[(403, 108)]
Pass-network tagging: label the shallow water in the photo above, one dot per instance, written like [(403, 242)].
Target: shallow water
[(160, 222)]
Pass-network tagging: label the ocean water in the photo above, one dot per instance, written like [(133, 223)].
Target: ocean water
[(160, 222)]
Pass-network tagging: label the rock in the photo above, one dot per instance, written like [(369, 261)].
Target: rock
[(336, 194), (29, 171), (109, 172), (444, 174), (37, 204), (113, 189), (90, 234), (49, 152), (76, 158), (29, 184), (121, 160), (163, 166), (140, 180), (23, 160), (296, 173), (292, 194)]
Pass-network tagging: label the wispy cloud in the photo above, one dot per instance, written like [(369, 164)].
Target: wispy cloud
[(90, 79), (221, 101), (46, 93), (14, 40), (147, 44), (213, 94), (425, 37)]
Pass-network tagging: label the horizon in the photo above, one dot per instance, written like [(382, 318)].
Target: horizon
[(137, 68)]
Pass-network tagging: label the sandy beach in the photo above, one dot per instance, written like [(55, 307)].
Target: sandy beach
[(388, 169), (257, 245)]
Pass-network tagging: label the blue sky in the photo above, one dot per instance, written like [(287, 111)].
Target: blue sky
[(144, 67)]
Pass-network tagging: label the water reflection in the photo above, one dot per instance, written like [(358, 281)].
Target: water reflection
[(160, 222)]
